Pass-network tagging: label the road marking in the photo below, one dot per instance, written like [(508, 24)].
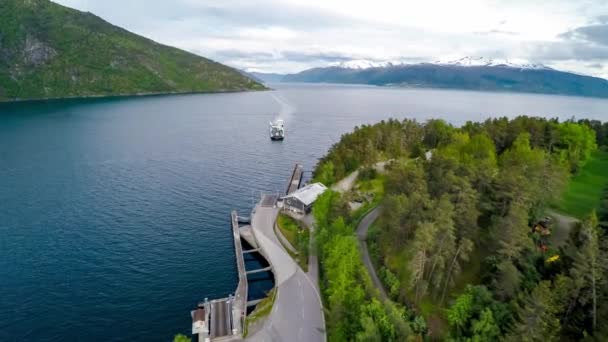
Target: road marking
[(320, 305), (268, 239)]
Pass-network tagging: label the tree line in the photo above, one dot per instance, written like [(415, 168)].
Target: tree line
[(463, 229), (353, 312)]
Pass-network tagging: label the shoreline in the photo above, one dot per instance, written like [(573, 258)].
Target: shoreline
[(439, 88), (134, 95)]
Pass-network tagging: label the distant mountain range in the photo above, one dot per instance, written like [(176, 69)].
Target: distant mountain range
[(464, 62), (266, 77), (51, 51), (467, 73)]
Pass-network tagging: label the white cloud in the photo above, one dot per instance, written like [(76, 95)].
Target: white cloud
[(273, 33), (290, 35)]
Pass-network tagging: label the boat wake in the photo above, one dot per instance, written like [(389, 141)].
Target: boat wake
[(287, 108)]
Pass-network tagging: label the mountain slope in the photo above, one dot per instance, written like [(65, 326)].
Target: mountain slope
[(466, 74), (266, 77), (51, 51)]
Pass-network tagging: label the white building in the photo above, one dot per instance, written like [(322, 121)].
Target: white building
[(301, 200)]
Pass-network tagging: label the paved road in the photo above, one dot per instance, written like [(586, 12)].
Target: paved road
[(313, 259), (362, 230), (297, 314)]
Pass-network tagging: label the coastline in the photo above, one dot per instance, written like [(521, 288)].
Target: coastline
[(437, 87), (127, 95)]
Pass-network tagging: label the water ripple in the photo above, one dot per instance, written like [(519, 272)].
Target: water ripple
[(114, 214)]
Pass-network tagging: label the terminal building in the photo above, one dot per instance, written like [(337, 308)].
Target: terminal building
[(301, 200)]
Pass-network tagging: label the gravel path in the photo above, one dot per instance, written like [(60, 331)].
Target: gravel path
[(563, 225)]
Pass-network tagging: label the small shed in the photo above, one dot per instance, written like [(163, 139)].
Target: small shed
[(301, 200)]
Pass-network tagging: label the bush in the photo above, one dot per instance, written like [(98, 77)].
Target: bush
[(391, 281), (368, 173), (181, 338)]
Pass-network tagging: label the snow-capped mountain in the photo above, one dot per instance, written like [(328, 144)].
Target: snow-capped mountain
[(472, 73), (490, 62), (360, 64), (364, 64)]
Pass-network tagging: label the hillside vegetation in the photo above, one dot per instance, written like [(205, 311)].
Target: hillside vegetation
[(458, 240), (51, 51), (493, 78)]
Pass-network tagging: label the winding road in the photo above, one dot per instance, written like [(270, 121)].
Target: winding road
[(345, 185), (297, 313), (362, 230)]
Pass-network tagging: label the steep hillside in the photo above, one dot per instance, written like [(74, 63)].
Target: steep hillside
[(51, 51)]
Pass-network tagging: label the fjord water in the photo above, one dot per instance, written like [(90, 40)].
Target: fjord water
[(114, 213)]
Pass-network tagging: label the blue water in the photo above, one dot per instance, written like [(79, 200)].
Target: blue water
[(114, 213)]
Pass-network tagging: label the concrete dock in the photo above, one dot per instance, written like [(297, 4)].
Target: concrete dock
[(296, 179), (297, 313), (225, 318)]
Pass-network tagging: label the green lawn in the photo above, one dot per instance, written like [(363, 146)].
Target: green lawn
[(375, 185), (298, 236), (584, 191), (289, 227)]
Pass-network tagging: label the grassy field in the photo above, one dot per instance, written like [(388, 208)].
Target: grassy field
[(373, 186), (297, 236), (585, 189), (289, 227), (262, 309)]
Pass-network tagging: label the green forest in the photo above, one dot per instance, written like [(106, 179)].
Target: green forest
[(474, 241)]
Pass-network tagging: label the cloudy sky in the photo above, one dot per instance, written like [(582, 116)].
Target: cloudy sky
[(292, 35)]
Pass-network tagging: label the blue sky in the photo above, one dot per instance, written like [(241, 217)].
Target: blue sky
[(292, 35)]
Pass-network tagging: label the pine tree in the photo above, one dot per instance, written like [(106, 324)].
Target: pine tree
[(511, 232), (485, 328), (537, 317), (507, 280), (588, 266), (422, 245), (445, 245), (461, 255)]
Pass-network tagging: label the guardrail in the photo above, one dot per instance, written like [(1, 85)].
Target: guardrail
[(242, 288)]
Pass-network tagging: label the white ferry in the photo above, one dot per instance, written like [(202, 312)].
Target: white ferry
[(277, 130)]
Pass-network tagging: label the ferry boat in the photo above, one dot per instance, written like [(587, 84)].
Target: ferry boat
[(277, 130)]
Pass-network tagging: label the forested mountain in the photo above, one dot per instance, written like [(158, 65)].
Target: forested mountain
[(51, 51), (488, 76), (463, 243)]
